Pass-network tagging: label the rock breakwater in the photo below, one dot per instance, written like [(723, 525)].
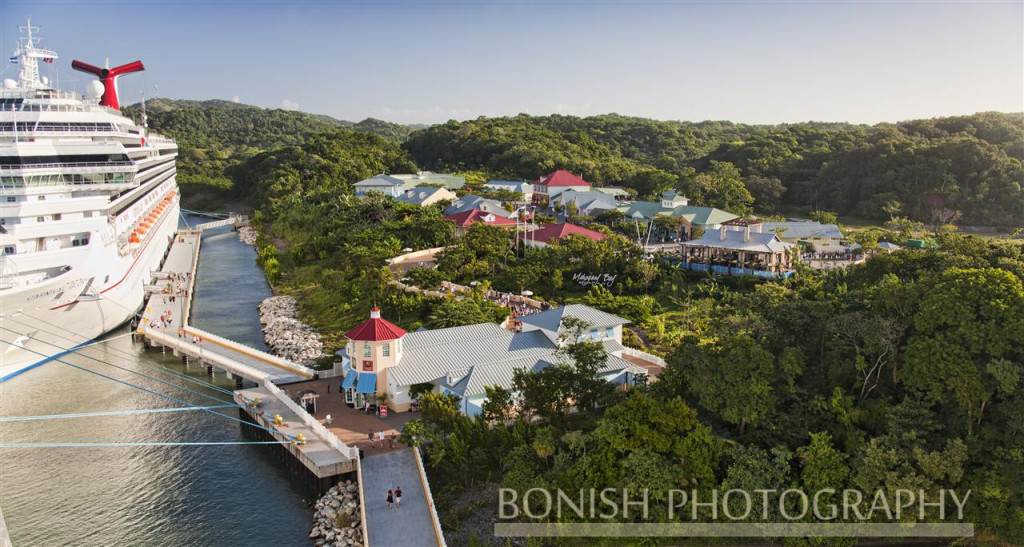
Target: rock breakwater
[(247, 235), (288, 337), (337, 521)]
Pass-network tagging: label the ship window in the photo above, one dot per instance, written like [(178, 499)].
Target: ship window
[(42, 198), (87, 214), (40, 219), (11, 199), (56, 216), (9, 250)]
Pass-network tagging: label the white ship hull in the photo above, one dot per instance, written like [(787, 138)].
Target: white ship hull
[(88, 207), (47, 322)]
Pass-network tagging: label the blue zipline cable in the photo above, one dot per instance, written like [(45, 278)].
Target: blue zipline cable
[(157, 393), (57, 445), (76, 351), (109, 413)]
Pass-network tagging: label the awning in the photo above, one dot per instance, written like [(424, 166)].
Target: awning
[(367, 383), (350, 378)]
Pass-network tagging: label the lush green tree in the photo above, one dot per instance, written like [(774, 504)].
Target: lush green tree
[(824, 217), (720, 187), (767, 192), (966, 347)]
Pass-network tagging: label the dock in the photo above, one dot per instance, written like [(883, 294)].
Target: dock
[(164, 325), (308, 447)]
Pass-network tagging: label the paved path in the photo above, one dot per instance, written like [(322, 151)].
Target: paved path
[(410, 526), (175, 281)]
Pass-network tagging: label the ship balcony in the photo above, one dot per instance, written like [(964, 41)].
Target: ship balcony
[(61, 168), (54, 228), (12, 278)]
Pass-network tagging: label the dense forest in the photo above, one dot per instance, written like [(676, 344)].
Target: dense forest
[(903, 372), (964, 169), (215, 135)]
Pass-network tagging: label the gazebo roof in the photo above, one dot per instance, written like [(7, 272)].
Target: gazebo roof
[(375, 329)]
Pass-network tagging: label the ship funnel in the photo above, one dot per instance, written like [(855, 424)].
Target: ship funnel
[(108, 77)]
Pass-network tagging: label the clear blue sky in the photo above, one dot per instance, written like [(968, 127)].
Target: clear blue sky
[(409, 61)]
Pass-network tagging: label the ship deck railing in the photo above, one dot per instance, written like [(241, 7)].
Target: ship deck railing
[(83, 167)]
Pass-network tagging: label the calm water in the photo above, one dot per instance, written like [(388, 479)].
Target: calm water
[(184, 495)]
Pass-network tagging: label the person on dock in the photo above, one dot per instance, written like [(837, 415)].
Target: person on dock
[(398, 497), (391, 499)]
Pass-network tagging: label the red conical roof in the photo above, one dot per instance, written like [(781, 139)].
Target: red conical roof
[(375, 329)]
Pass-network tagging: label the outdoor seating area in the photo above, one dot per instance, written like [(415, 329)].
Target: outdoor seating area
[(352, 426), (739, 248)]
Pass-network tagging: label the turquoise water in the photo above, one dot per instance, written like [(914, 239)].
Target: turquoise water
[(183, 495)]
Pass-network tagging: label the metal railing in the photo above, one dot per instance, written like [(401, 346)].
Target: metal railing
[(92, 166), (362, 503), (329, 438), (252, 352), (207, 356), (430, 497)]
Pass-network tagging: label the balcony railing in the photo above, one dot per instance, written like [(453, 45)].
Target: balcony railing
[(84, 167), (748, 270)]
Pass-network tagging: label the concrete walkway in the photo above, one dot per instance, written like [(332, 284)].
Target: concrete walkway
[(169, 305), (410, 526)]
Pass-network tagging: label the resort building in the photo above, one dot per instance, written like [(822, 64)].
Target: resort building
[(548, 233), (522, 187), (619, 194), (381, 184), (677, 207), (466, 219), (739, 247), (427, 195), (591, 203), (805, 231), (470, 202), (381, 358), (396, 185), (549, 186)]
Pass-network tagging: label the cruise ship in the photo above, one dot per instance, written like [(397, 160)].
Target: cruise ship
[(88, 207)]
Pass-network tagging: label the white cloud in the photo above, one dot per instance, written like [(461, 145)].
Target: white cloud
[(236, 99), (288, 104)]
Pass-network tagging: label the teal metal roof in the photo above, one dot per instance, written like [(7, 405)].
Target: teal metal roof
[(704, 216)]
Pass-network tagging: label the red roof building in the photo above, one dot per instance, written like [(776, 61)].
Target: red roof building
[(548, 232), (375, 329), (466, 219), (552, 184)]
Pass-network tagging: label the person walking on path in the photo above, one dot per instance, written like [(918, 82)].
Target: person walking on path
[(391, 499), (398, 497), (370, 437), (380, 438)]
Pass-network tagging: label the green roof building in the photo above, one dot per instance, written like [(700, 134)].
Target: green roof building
[(678, 207)]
